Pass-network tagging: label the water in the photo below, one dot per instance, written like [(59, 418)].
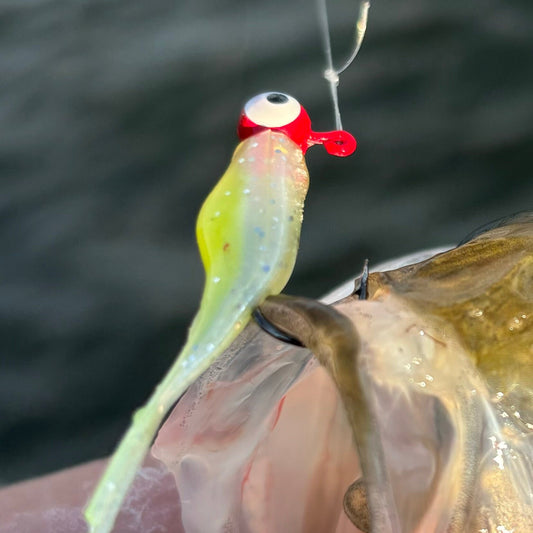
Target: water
[(118, 116)]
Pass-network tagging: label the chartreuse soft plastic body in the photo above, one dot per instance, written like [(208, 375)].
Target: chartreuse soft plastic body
[(248, 232)]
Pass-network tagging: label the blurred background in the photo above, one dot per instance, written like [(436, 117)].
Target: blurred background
[(118, 116)]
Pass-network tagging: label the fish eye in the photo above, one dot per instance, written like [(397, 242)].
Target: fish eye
[(272, 110)]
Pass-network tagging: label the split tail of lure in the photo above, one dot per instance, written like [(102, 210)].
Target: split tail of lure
[(248, 233)]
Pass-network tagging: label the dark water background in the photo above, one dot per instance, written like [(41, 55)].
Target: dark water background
[(118, 116)]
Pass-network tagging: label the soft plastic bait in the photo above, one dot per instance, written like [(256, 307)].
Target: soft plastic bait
[(248, 232)]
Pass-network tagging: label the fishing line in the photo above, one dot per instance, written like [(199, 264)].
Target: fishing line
[(331, 74)]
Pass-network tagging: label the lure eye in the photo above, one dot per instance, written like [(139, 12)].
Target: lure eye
[(272, 110)]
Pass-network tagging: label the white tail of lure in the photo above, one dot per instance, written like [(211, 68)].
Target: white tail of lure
[(248, 233)]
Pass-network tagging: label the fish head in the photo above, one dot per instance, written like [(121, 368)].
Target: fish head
[(411, 413)]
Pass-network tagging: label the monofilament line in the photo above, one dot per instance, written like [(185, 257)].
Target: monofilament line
[(360, 29), (331, 74)]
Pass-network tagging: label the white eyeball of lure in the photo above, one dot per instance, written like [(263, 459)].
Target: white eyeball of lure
[(272, 110)]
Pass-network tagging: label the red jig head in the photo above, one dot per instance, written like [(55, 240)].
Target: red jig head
[(281, 112)]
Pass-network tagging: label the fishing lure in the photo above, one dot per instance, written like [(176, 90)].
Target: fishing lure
[(248, 232)]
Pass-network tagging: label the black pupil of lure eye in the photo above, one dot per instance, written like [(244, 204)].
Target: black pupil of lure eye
[(277, 98)]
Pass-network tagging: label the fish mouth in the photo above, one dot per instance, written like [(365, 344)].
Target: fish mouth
[(418, 418), (403, 437), (434, 451)]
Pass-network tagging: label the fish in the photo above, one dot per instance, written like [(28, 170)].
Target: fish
[(407, 410)]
